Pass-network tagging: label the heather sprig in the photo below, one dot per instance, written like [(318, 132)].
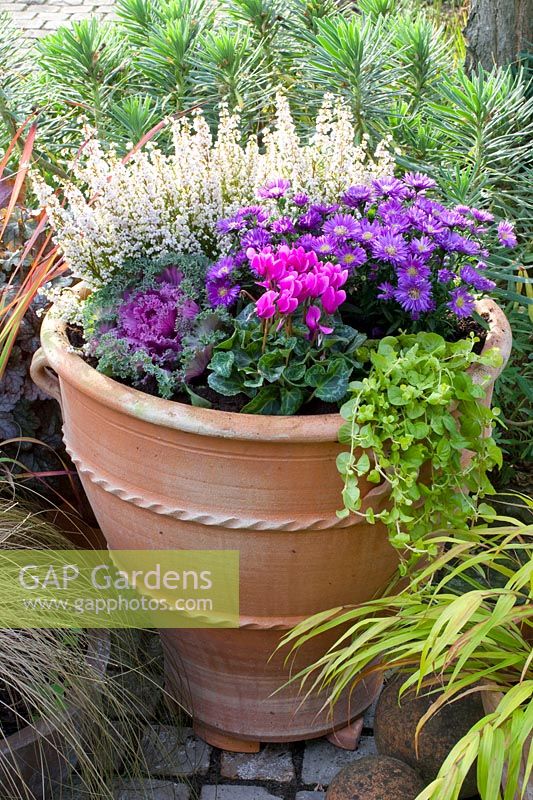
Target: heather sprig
[(153, 203)]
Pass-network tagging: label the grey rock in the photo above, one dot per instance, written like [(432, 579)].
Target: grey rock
[(310, 795), (151, 790), (272, 763), (171, 751), (236, 793), (322, 760)]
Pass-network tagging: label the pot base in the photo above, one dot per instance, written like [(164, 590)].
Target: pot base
[(347, 738), (237, 688), (224, 741)]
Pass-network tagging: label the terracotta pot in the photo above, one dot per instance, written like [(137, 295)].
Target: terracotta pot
[(165, 475), (491, 700), (35, 761)]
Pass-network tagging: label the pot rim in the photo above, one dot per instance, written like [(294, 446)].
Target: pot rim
[(72, 369)]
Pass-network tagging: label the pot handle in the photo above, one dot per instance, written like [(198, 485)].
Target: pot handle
[(44, 376)]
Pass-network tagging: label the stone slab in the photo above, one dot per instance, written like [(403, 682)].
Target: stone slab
[(310, 796), (173, 751), (151, 790), (272, 763), (322, 760), (237, 793)]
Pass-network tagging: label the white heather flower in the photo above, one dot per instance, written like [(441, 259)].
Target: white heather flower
[(155, 204)]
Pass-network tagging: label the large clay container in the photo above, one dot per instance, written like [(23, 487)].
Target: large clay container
[(165, 475)]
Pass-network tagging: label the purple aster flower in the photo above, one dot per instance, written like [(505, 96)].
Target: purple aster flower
[(431, 207), (462, 209), (341, 226), (222, 293), (367, 231), (418, 181), (416, 216), (479, 282), (300, 200), (414, 295), (307, 241), (390, 247), (387, 291), (422, 247), (324, 245), (282, 225), (230, 225), (222, 268), (357, 195), (452, 219), (389, 187), (240, 258), (506, 234), (310, 221), (254, 214), (350, 256), (256, 238), (481, 215), (445, 275), (274, 189), (461, 303), (431, 226), (390, 206), (413, 268), (455, 243), (394, 215), (324, 209)]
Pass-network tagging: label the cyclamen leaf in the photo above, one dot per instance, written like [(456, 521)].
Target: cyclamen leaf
[(225, 386), (291, 400), (272, 365), (335, 384), (265, 402), (222, 363), (294, 372)]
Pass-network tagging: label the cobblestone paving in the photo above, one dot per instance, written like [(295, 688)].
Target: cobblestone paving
[(180, 766), (39, 17)]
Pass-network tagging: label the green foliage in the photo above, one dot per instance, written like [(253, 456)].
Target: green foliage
[(462, 624), (409, 423), (357, 57), (289, 372)]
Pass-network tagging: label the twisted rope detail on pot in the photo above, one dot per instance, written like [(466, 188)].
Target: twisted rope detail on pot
[(378, 494)]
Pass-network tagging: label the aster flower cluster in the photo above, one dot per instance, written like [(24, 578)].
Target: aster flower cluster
[(411, 261), (155, 204)]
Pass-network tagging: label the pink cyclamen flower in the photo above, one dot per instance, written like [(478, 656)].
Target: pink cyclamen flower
[(265, 264), (312, 318), (286, 303), (332, 299), (265, 307), (337, 276), (316, 284)]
